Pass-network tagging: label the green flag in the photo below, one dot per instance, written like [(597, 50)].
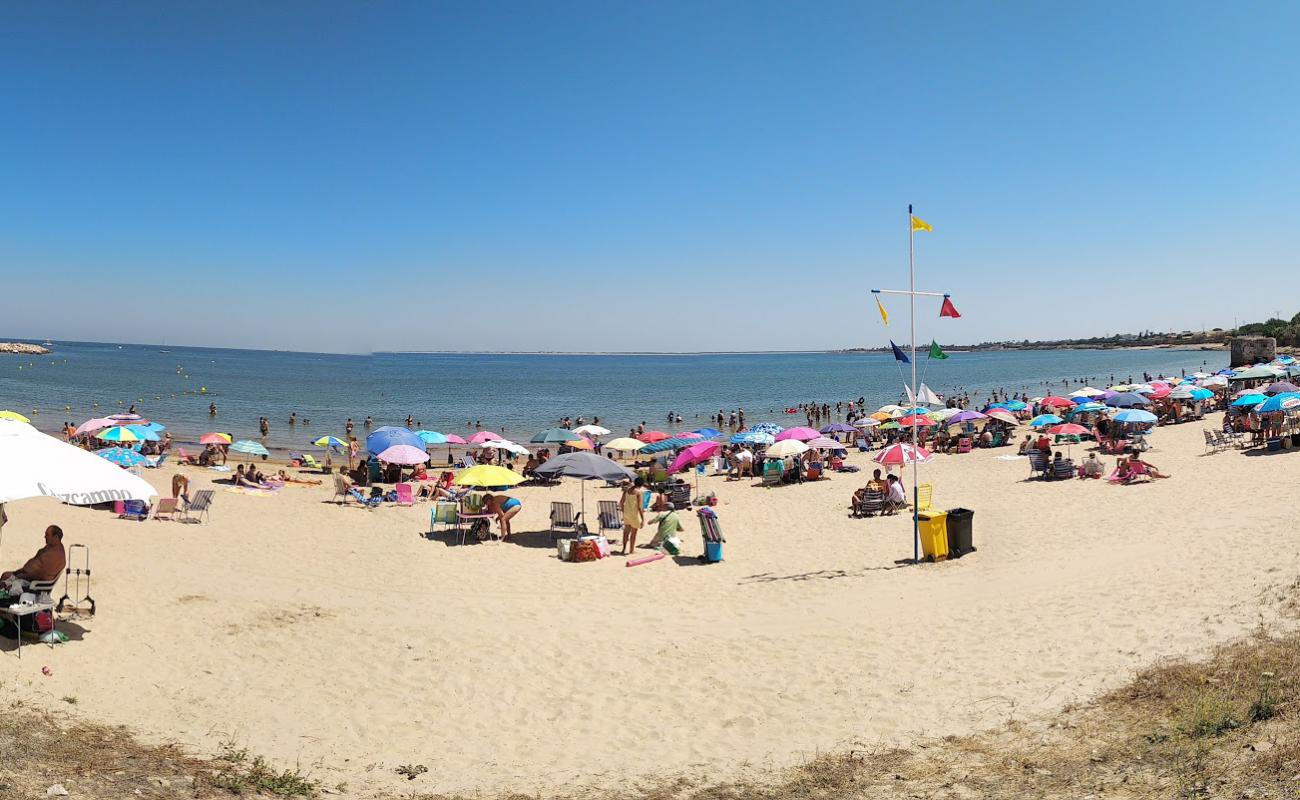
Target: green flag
[(936, 351)]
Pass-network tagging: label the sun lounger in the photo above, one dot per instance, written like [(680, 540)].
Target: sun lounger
[(310, 460), (611, 517)]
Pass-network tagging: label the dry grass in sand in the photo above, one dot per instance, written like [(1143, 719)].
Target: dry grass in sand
[(1228, 726)]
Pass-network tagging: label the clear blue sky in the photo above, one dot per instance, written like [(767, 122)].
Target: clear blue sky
[(618, 175)]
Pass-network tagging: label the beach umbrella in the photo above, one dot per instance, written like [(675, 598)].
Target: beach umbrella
[(1277, 387), (402, 454), (454, 439), (891, 410), (585, 467), (1086, 391), (902, 453), (650, 437), (911, 420), (1056, 401), (962, 417), (581, 443), (824, 443), (1248, 400), (1002, 415), (625, 444), (92, 425), (708, 433), (800, 432), (1068, 429), (767, 427), (837, 427), (753, 437), (1127, 400), (389, 435), (330, 441), (1016, 405), (488, 476), (866, 422), (943, 414), (549, 436), (1135, 416), (695, 454), (14, 416), (1084, 408), (672, 443), (123, 433), (1213, 380), (892, 425), (249, 447), (787, 447), (880, 416), (592, 430), (1279, 402), (34, 464), (1201, 394), (1044, 419), (432, 437), (214, 437), (687, 435), (1256, 373), (121, 456), (519, 449), (485, 436)]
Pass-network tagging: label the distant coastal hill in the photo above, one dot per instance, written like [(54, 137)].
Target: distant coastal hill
[(23, 349), (1216, 339)]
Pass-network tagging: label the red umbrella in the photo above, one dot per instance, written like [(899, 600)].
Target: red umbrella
[(650, 437), (1056, 401), (899, 454), (915, 419), (216, 438), (1067, 429)]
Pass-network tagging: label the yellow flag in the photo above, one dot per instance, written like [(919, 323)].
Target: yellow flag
[(884, 315), (919, 224)]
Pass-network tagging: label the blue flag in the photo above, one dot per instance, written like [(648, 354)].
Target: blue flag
[(899, 355)]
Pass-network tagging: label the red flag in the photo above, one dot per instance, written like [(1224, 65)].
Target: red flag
[(948, 310)]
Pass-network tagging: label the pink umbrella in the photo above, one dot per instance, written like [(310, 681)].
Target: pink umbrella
[(800, 433), (92, 425), (403, 454), (454, 439), (688, 435), (915, 419), (1002, 415), (897, 455), (1067, 429), (485, 436), (825, 443), (695, 454)]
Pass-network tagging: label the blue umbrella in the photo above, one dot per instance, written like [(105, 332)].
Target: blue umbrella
[(391, 436), (767, 427), (1015, 405), (707, 433), (1279, 402), (753, 437), (668, 444), (121, 456), (1127, 400), (1247, 400), (432, 437), (1088, 407), (1135, 415), (249, 447), (1201, 394), (1044, 419)]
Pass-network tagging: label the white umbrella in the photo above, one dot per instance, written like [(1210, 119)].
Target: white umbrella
[(787, 447), (592, 430), (33, 464), (507, 445), (866, 422), (1087, 391)]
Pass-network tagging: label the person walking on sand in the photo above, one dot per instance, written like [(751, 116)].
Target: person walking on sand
[(633, 501)]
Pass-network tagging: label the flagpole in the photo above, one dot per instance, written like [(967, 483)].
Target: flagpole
[(911, 269)]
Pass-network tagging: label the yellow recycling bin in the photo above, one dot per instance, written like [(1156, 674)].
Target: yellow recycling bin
[(934, 534)]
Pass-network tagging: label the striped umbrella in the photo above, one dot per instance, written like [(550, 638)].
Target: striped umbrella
[(249, 447), (120, 433), (214, 437)]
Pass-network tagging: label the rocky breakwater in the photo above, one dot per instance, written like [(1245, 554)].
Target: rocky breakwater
[(23, 349)]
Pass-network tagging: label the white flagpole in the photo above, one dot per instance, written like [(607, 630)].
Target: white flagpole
[(911, 268)]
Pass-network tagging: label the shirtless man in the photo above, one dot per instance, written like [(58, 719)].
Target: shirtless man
[(47, 564)]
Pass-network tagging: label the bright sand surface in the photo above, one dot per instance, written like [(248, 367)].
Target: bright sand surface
[(343, 641)]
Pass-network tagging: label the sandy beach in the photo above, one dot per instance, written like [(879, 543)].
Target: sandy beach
[(344, 641)]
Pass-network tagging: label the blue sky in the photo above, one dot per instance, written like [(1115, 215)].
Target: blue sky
[(630, 176)]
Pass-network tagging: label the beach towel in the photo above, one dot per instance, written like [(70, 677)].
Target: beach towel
[(1009, 458), (252, 491)]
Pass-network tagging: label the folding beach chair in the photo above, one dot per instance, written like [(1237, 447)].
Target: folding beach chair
[(872, 503), (924, 496), (611, 517), (310, 460), (200, 505), (374, 472), (340, 489), (1063, 468), (963, 445), (679, 494), (863, 447), (1037, 464), (814, 472), (443, 513), (137, 510), (404, 495), (563, 519), (773, 472), (167, 508)]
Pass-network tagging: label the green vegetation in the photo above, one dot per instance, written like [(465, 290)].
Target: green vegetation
[(1286, 332)]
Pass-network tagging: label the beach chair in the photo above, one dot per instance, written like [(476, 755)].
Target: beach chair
[(814, 472), (443, 513), (1063, 468), (200, 505), (773, 472), (167, 508), (1213, 443), (309, 460), (563, 519), (467, 461), (1037, 464), (963, 445), (863, 446), (340, 489), (610, 516), (137, 510), (924, 496), (659, 475), (679, 494), (405, 497), (872, 503), (837, 464)]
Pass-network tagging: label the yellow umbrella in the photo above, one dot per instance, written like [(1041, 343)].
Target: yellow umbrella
[(625, 443), (580, 444), (14, 415), (487, 475)]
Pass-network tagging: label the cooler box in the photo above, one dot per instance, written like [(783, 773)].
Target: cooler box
[(960, 535), (712, 551), (934, 534)]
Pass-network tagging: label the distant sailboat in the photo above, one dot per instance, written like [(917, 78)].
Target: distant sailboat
[(164, 349), (47, 343)]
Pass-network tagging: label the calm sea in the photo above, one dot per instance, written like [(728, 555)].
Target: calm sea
[(515, 395)]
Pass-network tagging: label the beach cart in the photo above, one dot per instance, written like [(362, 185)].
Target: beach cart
[(712, 533)]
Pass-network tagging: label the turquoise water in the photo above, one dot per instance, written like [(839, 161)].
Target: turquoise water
[(515, 395)]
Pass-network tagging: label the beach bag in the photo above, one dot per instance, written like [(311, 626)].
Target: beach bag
[(602, 546), (673, 545), (564, 549), (479, 529), (585, 550)]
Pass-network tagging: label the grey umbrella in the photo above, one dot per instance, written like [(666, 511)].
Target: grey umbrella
[(585, 467)]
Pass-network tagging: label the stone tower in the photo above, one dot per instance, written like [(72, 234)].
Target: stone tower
[(1251, 349)]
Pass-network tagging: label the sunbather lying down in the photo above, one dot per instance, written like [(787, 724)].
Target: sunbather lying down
[(284, 477)]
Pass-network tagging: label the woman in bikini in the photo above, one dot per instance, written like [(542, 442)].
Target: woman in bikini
[(505, 507)]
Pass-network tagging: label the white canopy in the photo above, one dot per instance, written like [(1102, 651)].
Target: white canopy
[(33, 464)]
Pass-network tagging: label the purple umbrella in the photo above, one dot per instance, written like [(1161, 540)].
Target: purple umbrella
[(838, 427), (1281, 387), (966, 416)]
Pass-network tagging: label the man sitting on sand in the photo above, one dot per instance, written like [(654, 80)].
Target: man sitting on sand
[(1092, 467), (669, 523), (46, 565)]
